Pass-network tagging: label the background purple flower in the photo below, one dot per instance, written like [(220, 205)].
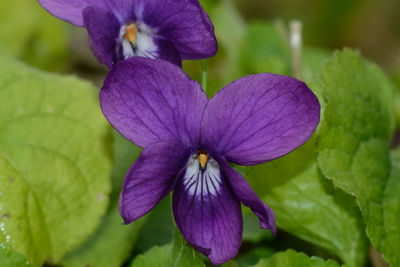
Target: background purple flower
[(119, 29), (188, 141)]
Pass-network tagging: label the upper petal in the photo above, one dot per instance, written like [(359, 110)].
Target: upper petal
[(206, 212), (259, 117), (149, 101), (150, 178), (182, 22), (70, 10), (103, 29), (246, 195)]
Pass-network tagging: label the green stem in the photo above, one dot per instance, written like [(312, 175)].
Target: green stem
[(204, 75), (295, 44)]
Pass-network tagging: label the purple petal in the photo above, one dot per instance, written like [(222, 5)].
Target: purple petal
[(149, 101), (70, 10), (182, 22), (246, 195), (259, 118), (167, 51), (150, 178), (206, 212), (103, 28)]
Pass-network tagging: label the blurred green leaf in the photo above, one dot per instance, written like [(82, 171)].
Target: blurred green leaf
[(313, 60), (307, 205), (55, 160), (264, 50), (12, 259), (397, 108), (396, 75), (354, 144), (230, 28), (396, 80), (125, 153), (111, 244), (251, 228), (291, 258), (32, 34), (159, 227)]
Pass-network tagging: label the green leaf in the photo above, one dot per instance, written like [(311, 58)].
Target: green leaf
[(230, 263), (32, 34), (291, 258), (54, 161), (111, 244), (354, 144), (12, 259), (183, 254), (253, 256), (176, 254), (386, 235), (307, 206), (155, 257)]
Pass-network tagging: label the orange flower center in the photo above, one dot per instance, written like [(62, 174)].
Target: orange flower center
[(130, 33), (202, 158)]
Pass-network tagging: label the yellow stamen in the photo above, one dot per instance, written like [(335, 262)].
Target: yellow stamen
[(130, 33), (203, 158)]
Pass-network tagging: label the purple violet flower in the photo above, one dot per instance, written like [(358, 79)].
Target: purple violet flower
[(188, 142), (119, 29)]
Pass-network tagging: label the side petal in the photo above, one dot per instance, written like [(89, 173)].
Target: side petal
[(207, 213), (246, 195), (182, 22), (150, 179), (149, 101), (103, 29), (259, 118), (70, 10)]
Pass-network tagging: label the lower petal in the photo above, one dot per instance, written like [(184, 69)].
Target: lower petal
[(207, 213), (246, 195), (150, 179)]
